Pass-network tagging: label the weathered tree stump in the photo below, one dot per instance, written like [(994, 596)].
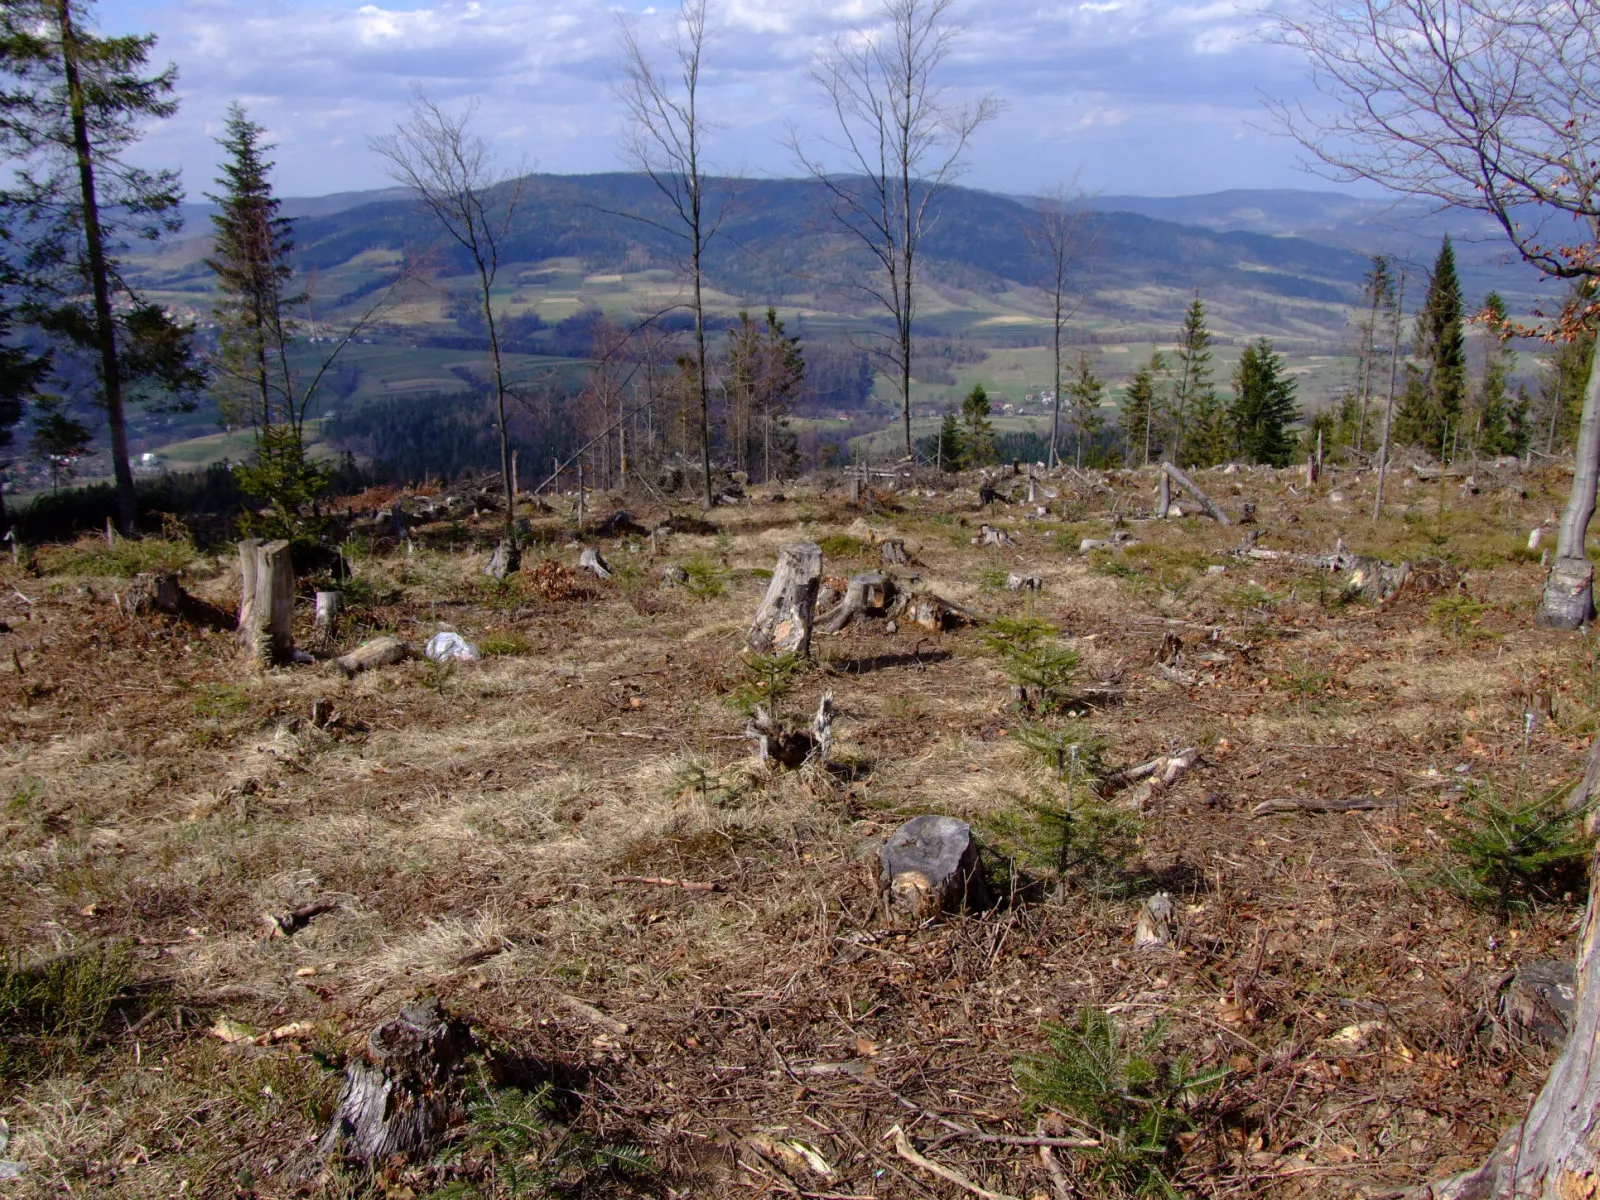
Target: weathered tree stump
[(400, 1097), (930, 612), (892, 553), (792, 748), (1154, 927), (782, 624), (988, 535), (1568, 595), (590, 560), (505, 560), (1163, 495), (931, 865), (1018, 581), (329, 606), (157, 591), (266, 606), (1538, 1001), (673, 575), (868, 594), (379, 652)]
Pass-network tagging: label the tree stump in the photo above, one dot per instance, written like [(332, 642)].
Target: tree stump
[(400, 1097), (1155, 923), (892, 553), (266, 606), (866, 594), (590, 560), (782, 624), (1163, 495), (1568, 595), (988, 535), (329, 606), (506, 560), (930, 865), (154, 590), (1018, 581), (792, 748), (1538, 1001)]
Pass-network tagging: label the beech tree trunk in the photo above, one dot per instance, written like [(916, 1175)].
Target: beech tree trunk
[(1569, 588), (783, 622)]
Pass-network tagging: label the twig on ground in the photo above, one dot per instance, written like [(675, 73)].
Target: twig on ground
[(904, 1148), (688, 885)]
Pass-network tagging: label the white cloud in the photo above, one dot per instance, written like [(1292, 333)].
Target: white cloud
[(1175, 82)]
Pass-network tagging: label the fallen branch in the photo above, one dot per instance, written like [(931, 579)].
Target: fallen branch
[(291, 923), (1206, 502), (688, 885), (1314, 804), (904, 1148), (592, 1014)]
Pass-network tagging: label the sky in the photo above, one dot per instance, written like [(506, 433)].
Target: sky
[(1146, 97)]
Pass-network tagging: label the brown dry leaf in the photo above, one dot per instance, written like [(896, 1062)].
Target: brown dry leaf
[(866, 1048), (293, 1031), (1231, 1012)]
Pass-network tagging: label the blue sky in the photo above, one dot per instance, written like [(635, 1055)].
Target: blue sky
[(1142, 96)]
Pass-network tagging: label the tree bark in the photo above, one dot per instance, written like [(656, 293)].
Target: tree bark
[(782, 624)]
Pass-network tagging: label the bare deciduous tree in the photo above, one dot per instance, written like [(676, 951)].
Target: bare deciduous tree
[(899, 141), (453, 174), (1488, 105), (666, 140), (1060, 237)]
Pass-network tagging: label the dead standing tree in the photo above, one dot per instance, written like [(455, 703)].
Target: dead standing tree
[(453, 175), (900, 141), (666, 140), (1059, 238), (1487, 105)]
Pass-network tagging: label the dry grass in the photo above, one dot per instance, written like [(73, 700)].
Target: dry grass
[(467, 823)]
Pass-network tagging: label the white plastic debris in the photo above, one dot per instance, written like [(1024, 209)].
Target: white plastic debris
[(449, 646)]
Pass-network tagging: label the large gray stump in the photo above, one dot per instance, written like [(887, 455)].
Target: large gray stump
[(400, 1097), (931, 865), (1568, 595), (266, 604), (783, 622)]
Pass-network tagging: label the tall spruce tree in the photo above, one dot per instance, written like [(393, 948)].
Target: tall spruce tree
[(1193, 395), (1377, 298), (1431, 405), (765, 368), (1087, 391), (978, 434), (21, 369), (1263, 406), (1141, 419), (1492, 404), (75, 106)]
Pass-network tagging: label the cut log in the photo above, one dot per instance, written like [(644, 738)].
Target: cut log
[(1155, 923), (868, 594), (1316, 804), (267, 628), (505, 560), (782, 624), (1554, 1154), (1205, 501), (931, 865), (402, 1094), (1018, 581), (379, 652), (590, 560)]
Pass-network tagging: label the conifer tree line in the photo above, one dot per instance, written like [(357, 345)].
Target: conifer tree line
[(78, 338)]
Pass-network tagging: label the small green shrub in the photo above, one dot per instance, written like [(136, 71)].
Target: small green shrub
[(993, 579), (704, 580), (1126, 1090), (1457, 615), (505, 645), (1516, 855), (219, 701), (52, 1012), (768, 680), (843, 545), (92, 555), (1041, 668)]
